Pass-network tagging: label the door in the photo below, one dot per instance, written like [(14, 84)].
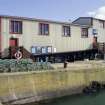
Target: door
[(94, 42), (13, 42)]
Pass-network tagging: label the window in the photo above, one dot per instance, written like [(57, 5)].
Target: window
[(66, 30), (16, 27), (33, 50), (41, 49), (43, 29), (95, 31), (44, 50), (49, 49), (84, 32)]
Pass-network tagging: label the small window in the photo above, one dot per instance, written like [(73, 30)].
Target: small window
[(44, 51), (84, 32), (49, 49), (33, 50), (16, 27), (66, 31), (43, 29)]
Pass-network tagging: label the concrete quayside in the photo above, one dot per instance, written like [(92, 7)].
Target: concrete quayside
[(27, 87)]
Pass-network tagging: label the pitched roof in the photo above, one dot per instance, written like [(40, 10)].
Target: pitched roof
[(39, 20)]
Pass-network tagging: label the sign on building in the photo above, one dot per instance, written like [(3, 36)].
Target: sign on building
[(95, 31)]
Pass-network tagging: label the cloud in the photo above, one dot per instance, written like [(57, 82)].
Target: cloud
[(91, 13), (99, 13)]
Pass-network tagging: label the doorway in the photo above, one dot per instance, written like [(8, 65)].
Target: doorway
[(13, 42), (95, 39), (95, 42)]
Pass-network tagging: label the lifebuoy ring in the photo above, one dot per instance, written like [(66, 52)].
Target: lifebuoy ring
[(18, 55)]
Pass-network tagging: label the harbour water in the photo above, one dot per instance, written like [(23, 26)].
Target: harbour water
[(92, 99)]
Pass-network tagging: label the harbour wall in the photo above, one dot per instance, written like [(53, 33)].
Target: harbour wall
[(21, 88)]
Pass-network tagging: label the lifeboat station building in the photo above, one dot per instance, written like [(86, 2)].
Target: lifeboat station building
[(55, 41)]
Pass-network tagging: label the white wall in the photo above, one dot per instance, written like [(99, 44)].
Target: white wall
[(101, 31), (30, 37)]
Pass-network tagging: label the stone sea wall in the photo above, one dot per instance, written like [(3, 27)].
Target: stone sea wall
[(20, 88)]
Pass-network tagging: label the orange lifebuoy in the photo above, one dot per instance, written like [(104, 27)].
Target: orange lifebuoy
[(18, 55)]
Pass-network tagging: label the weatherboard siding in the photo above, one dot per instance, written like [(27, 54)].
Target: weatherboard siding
[(30, 37)]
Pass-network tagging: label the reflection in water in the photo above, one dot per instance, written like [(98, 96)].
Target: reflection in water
[(93, 99)]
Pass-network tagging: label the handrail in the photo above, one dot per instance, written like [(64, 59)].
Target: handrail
[(25, 53)]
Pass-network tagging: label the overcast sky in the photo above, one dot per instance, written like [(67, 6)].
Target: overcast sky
[(61, 10)]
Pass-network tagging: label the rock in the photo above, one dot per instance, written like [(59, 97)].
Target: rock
[(94, 87), (1, 103)]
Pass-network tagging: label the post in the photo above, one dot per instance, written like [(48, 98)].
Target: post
[(104, 56), (46, 59), (65, 64)]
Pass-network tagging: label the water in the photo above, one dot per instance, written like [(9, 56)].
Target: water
[(93, 99)]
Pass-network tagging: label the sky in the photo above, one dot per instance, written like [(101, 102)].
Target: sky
[(59, 10)]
